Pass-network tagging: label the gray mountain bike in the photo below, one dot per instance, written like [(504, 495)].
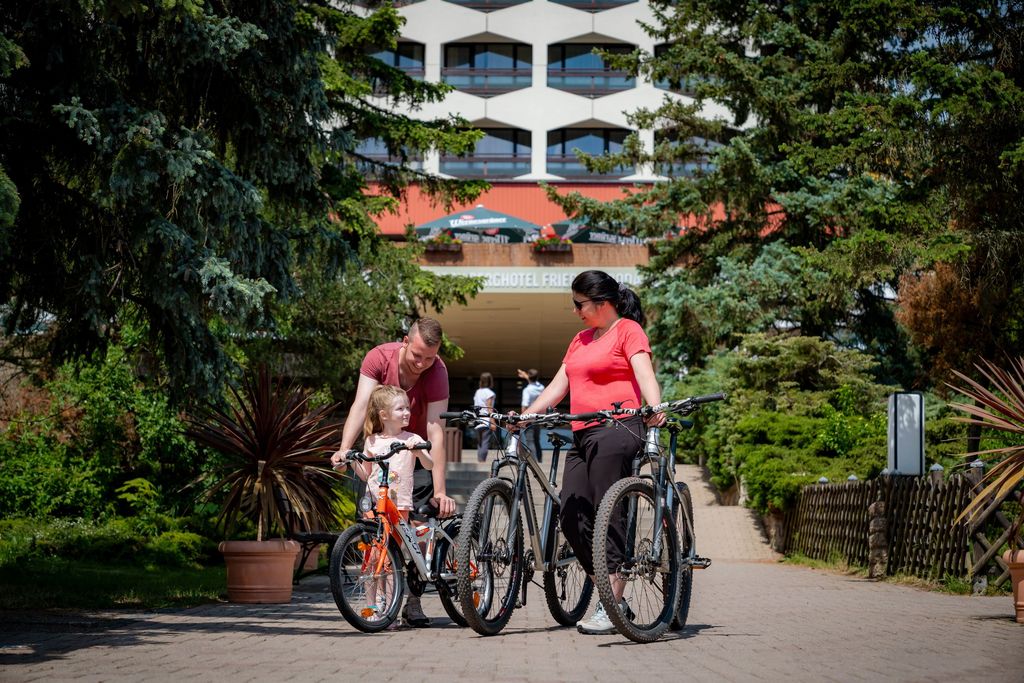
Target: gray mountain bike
[(493, 567), (649, 518)]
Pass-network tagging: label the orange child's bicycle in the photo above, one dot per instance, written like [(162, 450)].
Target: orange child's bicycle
[(378, 557)]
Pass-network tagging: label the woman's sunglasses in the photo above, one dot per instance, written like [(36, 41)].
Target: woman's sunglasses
[(579, 304)]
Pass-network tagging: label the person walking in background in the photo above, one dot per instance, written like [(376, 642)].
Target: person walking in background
[(608, 362), (531, 391), (484, 398)]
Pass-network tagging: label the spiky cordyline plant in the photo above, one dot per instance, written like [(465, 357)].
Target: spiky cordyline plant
[(999, 407), (273, 445)]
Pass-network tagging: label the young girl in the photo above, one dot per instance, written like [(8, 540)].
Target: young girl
[(387, 415)]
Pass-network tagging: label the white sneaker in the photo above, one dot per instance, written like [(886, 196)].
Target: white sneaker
[(598, 624)]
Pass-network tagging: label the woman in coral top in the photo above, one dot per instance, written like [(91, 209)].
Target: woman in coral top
[(606, 363)]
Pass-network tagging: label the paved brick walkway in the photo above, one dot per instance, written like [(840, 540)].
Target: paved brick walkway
[(752, 619), (749, 622), (723, 532)]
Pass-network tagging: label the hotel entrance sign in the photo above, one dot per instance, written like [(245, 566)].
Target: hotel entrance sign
[(532, 279)]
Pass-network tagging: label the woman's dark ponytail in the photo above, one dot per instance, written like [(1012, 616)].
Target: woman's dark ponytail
[(628, 305), (598, 285)]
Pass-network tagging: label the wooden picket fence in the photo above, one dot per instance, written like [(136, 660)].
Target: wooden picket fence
[(922, 536)]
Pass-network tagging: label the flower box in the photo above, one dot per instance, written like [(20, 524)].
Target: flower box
[(444, 246), (553, 247)]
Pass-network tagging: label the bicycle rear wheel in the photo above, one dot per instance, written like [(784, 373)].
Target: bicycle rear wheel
[(684, 501), (651, 580), (366, 578), (448, 582), (489, 558), (567, 589)]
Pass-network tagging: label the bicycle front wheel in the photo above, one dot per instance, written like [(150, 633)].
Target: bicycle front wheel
[(366, 578), (684, 501), (649, 563), (567, 589), (489, 558)]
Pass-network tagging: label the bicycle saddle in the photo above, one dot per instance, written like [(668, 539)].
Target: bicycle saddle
[(425, 511)]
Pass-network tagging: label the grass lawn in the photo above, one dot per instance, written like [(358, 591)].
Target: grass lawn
[(58, 583)]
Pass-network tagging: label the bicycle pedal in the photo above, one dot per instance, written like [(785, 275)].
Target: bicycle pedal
[(700, 562)]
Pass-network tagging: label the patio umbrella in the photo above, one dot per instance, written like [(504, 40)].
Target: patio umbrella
[(581, 232), (480, 225)]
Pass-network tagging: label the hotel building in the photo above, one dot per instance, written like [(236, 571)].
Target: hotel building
[(525, 74)]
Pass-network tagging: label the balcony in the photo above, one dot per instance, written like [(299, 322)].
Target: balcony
[(486, 165), (590, 82), (569, 166), (593, 5), (487, 82), (376, 3), (487, 5), (685, 169)]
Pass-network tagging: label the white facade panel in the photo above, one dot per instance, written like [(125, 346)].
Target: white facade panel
[(538, 108)]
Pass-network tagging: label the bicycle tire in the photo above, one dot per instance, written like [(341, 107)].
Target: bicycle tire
[(448, 591), (566, 604), (651, 588), (352, 575), (490, 573), (686, 541)]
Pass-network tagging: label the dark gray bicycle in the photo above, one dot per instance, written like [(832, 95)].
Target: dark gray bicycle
[(493, 567), (650, 518)]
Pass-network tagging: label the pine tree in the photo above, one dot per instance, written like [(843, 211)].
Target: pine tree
[(876, 138), (178, 161)]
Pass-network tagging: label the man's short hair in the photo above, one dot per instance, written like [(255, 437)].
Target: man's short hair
[(532, 374), (428, 329)]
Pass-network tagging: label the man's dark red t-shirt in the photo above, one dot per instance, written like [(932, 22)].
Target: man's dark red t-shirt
[(381, 364)]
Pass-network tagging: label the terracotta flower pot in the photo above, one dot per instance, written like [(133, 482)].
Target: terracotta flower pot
[(1015, 560), (260, 571)]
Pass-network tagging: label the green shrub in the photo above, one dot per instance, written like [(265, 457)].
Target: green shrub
[(116, 539), (178, 549), (102, 428), (799, 408)]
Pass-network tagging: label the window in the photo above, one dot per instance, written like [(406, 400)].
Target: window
[(487, 5), (396, 3), (684, 85), (501, 153), (562, 158), (376, 150), (593, 5), (488, 68), (576, 68), (407, 56), (683, 159)]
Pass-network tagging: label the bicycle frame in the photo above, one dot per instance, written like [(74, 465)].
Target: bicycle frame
[(661, 466), (388, 516), (524, 463), (663, 477)]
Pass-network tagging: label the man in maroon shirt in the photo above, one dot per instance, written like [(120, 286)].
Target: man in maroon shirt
[(412, 365)]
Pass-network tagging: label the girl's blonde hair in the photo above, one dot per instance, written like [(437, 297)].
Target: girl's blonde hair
[(381, 399)]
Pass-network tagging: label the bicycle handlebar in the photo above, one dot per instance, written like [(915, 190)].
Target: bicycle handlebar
[(396, 447), (683, 407)]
